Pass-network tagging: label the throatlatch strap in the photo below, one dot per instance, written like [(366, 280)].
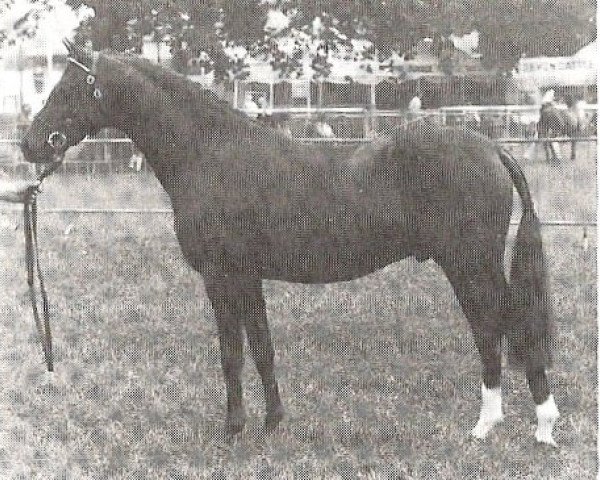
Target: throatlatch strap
[(33, 262)]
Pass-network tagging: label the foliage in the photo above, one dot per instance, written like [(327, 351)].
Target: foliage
[(202, 33), (24, 23)]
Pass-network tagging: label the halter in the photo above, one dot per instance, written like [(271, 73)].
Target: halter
[(91, 75)]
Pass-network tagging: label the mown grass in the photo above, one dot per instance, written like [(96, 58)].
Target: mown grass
[(379, 376)]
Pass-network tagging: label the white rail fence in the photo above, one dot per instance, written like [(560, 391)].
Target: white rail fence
[(507, 124)]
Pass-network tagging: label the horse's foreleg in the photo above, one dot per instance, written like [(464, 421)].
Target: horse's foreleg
[(573, 150), (228, 318), (481, 290), (261, 347), (546, 151), (239, 302)]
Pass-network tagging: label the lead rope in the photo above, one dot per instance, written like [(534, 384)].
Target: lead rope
[(32, 260)]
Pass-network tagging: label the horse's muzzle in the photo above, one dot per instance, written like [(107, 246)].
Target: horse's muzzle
[(46, 152), (28, 152)]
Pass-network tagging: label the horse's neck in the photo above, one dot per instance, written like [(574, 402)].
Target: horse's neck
[(135, 111), (163, 132)]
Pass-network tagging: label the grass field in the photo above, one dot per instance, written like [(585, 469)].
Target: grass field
[(379, 376)]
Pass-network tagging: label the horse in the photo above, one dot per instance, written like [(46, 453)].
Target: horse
[(556, 122), (251, 204)]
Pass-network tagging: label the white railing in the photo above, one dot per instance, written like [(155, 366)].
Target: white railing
[(508, 124)]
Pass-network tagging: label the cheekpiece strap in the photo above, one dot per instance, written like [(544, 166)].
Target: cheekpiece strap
[(91, 77)]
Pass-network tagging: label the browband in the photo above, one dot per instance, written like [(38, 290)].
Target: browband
[(87, 70)]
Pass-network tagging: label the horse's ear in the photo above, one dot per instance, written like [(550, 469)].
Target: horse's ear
[(69, 45)]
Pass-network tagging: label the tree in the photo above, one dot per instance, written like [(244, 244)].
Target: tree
[(205, 31), (533, 28), (508, 28), (191, 28), (19, 20)]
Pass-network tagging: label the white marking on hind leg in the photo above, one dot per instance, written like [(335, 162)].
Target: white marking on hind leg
[(547, 414), (491, 411)]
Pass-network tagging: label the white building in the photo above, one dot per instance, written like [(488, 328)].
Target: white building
[(28, 76), (537, 74), (31, 67)]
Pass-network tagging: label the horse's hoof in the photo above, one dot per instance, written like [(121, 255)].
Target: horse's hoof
[(547, 414), (234, 425), (545, 439), (484, 427), (273, 419)]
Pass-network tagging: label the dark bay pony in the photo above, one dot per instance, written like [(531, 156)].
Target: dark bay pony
[(252, 204), (557, 122)]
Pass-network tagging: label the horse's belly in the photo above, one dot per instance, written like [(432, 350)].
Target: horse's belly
[(324, 259)]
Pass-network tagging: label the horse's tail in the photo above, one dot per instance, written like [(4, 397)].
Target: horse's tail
[(527, 314)]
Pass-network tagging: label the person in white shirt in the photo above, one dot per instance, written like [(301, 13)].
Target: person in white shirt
[(250, 107), (548, 98), (578, 111), (414, 106), (324, 130), (137, 160)]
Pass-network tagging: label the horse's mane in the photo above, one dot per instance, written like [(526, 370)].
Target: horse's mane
[(192, 97)]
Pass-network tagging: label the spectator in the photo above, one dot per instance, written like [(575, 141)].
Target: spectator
[(414, 108), (546, 101), (250, 107), (137, 159), (548, 98), (577, 111), (24, 116), (322, 128), (264, 111)]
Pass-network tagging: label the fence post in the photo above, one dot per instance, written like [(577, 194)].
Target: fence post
[(235, 93), (582, 260)]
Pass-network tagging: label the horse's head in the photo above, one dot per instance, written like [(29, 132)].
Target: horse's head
[(72, 111)]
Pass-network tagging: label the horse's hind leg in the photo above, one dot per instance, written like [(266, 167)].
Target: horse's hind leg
[(546, 409), (551, 155), (479, 284)]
